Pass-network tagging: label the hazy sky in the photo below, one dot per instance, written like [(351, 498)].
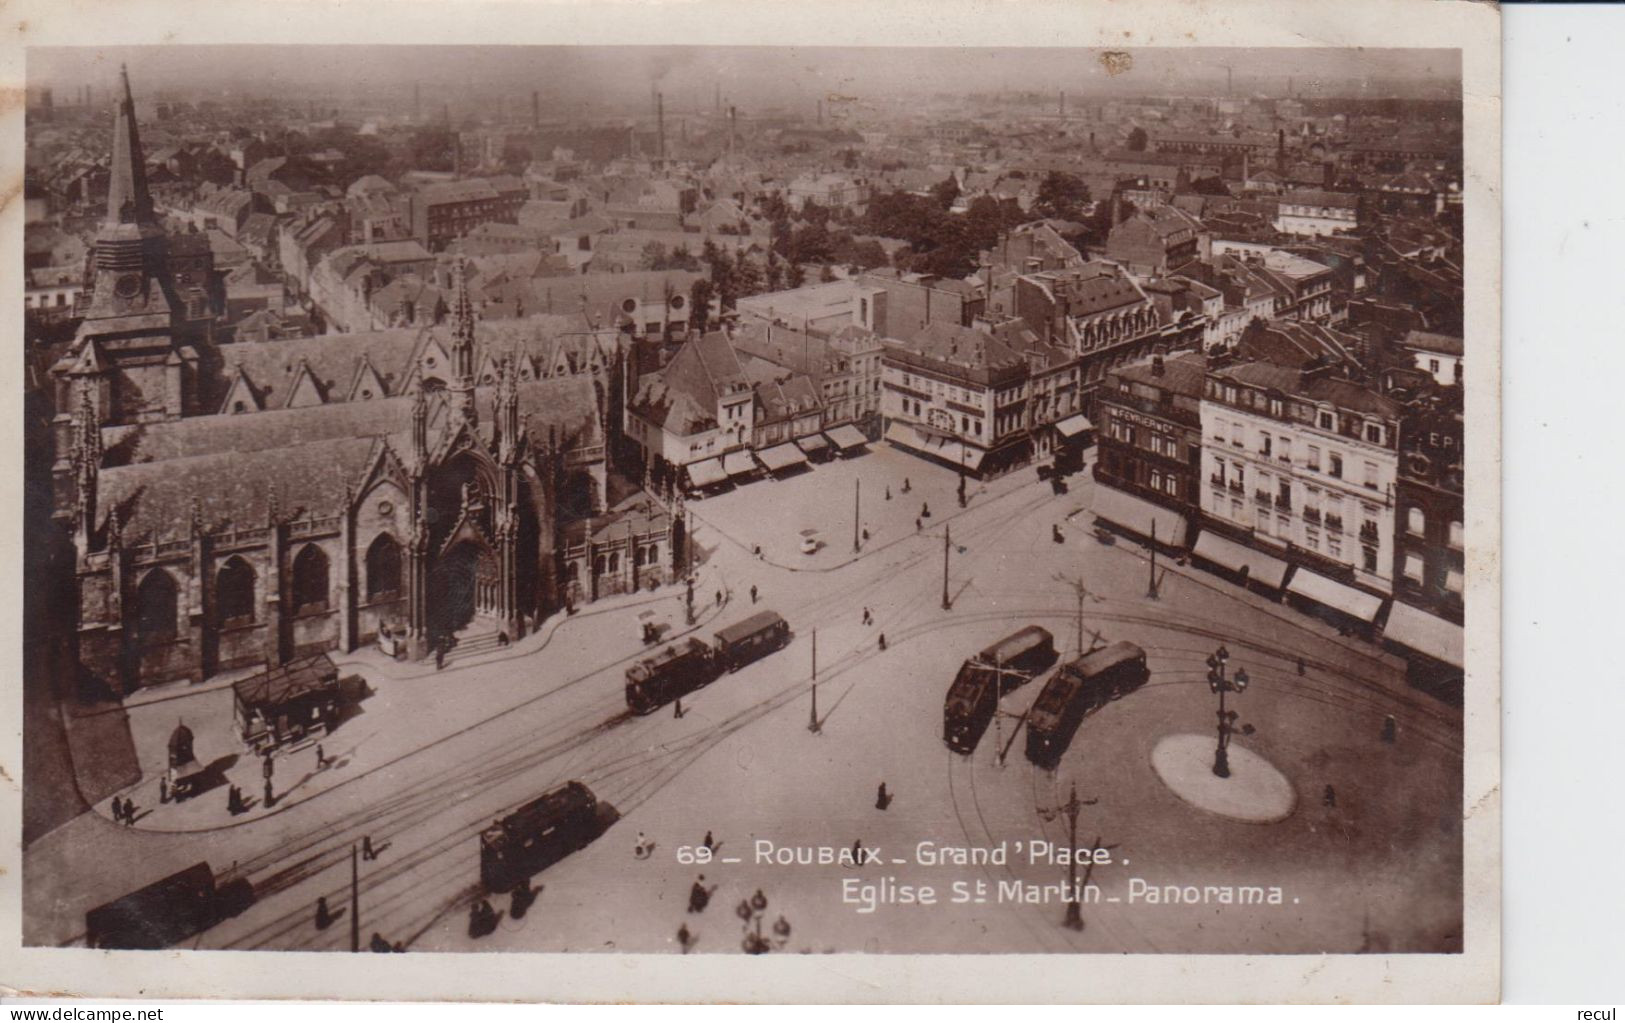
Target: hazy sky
[(749, 76)]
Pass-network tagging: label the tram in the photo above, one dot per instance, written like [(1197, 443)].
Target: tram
[(681, 668), (168, 911), (537, 835), (1077, 689), (974, 696)]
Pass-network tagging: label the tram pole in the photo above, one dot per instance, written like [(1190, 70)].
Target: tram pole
[(812, 716), (1151, 585), (947, 541), (1074, 911), (857, 494), (355, 902)]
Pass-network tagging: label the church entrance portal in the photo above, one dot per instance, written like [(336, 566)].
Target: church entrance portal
[(466, 582)]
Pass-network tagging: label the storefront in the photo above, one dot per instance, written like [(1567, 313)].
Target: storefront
[(1335, 596), (1243, 562), (1140, 517), (288, 703), (782, 459)]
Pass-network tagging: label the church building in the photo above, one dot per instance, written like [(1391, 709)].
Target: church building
[(236, 505)]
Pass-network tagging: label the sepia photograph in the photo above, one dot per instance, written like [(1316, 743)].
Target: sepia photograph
[(748, 500)]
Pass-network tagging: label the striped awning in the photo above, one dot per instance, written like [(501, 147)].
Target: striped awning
[(1239, 558), (1137, 515), (937, 445), (706, 473), (846, 436), (1426, 634), (1071, 426), (738, 463), (782, 456), (1334, 594)]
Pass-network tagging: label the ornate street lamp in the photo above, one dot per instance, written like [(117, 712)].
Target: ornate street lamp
[(1219, 683)]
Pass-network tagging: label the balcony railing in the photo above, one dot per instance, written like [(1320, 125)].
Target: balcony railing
[(1262, 497), (1283, 502), (1236, 486), (1216, 479), (1368, 532), (1312, 515), (1334, 523)]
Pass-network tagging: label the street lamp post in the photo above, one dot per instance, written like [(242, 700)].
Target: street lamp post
[(857, 512), (947, 541), (812, 715), (1219, 683), (1074, 908)]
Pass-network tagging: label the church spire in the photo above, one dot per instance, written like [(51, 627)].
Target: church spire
[(128, 201), (462, 345)]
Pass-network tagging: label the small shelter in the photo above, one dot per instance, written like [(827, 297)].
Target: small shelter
[(286, 703)]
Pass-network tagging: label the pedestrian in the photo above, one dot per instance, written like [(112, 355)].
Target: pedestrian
[(1390, 728), (378, 944), (708, 842), (117, 809), (698, 897), (324, 918), (502, 638), (925, 509), (163, 790), (321, 758), (270, 798), (882, 798), (398, 947), (679, 712), (882, 641), (232, 805), (906, 487), (857, 852), (866, 534), (1330, 797), (719, 598), (641, 850), (916, 525), (129, 813), (753, 593), (367, 851), (439, 657), (683, 937), (866, 618), (888, 493), (1302, 667)]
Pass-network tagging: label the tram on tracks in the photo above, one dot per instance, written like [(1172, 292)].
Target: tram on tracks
[(537, 835), (683, 667), (973, 698), (168, 911), (1077, 689)]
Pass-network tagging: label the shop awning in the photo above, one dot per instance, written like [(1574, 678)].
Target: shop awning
[(1238, 557), (1137, 515), (812, 442), (1425, 633), (738, 463), (1071, 426), (846, 436), (936, 445), (1334, 594), (781, 457), (706, 473)]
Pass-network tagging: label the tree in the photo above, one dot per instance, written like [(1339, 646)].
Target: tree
[(654, 257), (681, 259), (1137, 140), (774, 278), (944, 192), (1062, 196), (699, 303), (826, 274)]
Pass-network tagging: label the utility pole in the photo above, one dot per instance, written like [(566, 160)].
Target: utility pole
[(857, 495), (947, 540), (1074, 909), (812, 717), (1151, 587), (355, 902)]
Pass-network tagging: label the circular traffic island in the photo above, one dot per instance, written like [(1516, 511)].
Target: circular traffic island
[(1255, 792)]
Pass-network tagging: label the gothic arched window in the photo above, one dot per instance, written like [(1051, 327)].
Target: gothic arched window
[(383, 568), (310, 579), (234, 593), (155, 606)]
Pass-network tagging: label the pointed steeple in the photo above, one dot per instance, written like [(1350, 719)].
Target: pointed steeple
[(462, 346), (128, 201)]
